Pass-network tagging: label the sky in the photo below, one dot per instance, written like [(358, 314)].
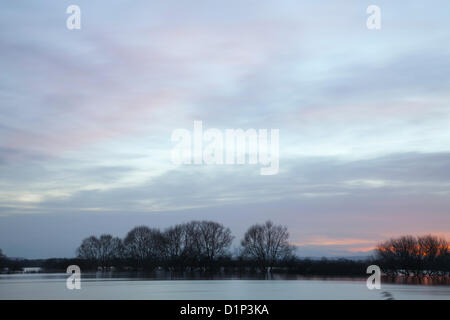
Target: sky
[(86, 118)]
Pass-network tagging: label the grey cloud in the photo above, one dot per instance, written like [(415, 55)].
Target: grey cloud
[(325, 178)]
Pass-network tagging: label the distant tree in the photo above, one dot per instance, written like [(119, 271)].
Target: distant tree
[(145, 246), (3, 259), (89, 249), (400, 255), (210, 240), (267, 244), (434, 252), (111, 248), (102, 250), (408, 255), (179, 249)]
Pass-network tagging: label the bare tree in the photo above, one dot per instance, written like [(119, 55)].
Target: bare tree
[(110, 248), (400, 254), (89, 249), (144, 245), (408, 255), (432, 251), (267, 244), (210, 240), (102, 250), (179, 249)]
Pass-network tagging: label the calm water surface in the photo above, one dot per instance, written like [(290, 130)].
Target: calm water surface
[(95, 286)]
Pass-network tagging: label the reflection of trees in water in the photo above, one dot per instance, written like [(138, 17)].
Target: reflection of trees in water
[(423, 280)]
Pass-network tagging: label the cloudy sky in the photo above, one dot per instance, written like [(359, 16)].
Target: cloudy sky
[(86, 118)]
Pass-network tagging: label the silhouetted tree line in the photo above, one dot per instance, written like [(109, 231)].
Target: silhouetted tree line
[(13, 265), (196, 245), (414, 256), (205, 246)]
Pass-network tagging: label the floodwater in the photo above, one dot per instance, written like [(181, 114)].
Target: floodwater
[(98, 286)]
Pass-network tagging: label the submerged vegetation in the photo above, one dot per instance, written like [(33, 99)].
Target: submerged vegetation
[(414, 256), (203, 247)]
